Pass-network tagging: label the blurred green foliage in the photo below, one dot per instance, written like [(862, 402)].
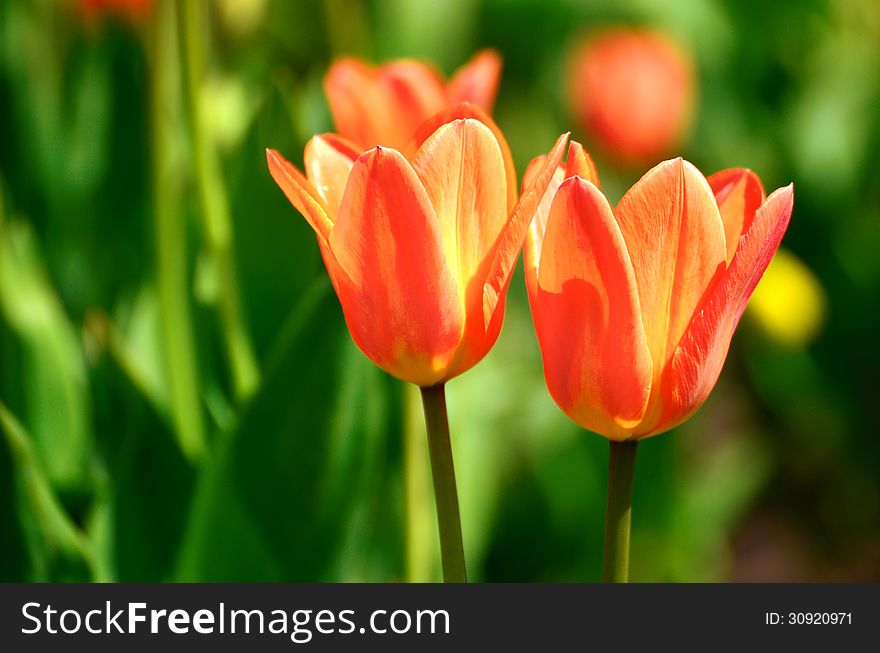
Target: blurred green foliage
[(302, 476)]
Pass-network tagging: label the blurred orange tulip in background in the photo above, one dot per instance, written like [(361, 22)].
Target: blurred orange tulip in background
[(135, 10), (635, 306), (384, 105), (633, 92), (420, 250)]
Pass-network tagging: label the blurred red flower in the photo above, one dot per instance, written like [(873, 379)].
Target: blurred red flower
[(384, 105), (633, 91), (135, 10)]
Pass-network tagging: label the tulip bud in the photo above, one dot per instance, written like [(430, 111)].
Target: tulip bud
[(633, 92)]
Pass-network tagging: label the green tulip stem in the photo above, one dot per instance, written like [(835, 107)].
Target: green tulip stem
[(618, 511), (445, 494), (216, 218), (172, 276), (418, 498)]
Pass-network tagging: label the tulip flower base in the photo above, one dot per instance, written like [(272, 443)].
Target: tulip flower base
[(445, 493), (618, 511)]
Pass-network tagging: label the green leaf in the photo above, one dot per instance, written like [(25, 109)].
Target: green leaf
[(57, 550), (137, 519), (56, 405), (281, 497)]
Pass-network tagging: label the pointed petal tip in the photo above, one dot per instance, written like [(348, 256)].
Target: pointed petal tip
[(678, 161), (562, 141), (783, 191), (301, 193), (584, 186), (274, 158), (377, 151)]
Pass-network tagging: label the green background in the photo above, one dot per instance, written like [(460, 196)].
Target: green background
[(134, 450)]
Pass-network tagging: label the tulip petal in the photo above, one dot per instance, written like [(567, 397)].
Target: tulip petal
[(462, 169), (382, 106), (675, 238), (301, 194), (538, 227), (477, 80), (700, 356), (401, 301), (739, 193), (463, 112), (579, 163), (414, 91), (328, 159), (353, 95), (587, 316), (514, 233)]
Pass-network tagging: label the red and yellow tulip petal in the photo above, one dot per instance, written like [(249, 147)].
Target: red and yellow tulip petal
[(534, 168), (739, 193), (698, 359), (579, 163), (535, 235), (301, 194), (353, 95), (587, 316), (464, 112), (474, 349), (421, 85), (462, 169), (413, 91), (675, 238), (400, 298), (477, 80), (328, 159), (514, 233)]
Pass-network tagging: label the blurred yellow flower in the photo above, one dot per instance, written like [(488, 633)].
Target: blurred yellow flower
[(242, 18), (228, 108), (789, 303)]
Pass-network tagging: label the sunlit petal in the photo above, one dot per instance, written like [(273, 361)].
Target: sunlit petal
[(699, 357), (328, 159), (477, 80), (675, 238), (302, 194), (738, 193), (596, 359), (400, 298)]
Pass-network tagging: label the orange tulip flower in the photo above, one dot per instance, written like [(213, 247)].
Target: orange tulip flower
[(633, 90), (635, 306), (386, 104), (420, 250)]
